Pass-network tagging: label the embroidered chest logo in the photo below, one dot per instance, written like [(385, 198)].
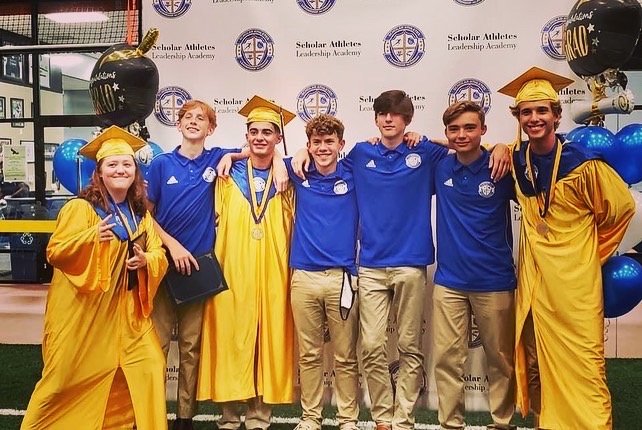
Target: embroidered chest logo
[(259, 184), (340, 187), (528, 175), (486, 189), (209, 174), (413, 160)]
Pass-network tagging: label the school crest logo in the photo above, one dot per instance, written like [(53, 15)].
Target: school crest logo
[(171, 8), (471, 90), (468, 2), (209, 174), (527, 172), (254, 49), (404, 46), (315, 100), (474, 339), (316, 7), (413, 160), (259, 184), (553, 38), (169, 101), (486, 189), (340, 187)]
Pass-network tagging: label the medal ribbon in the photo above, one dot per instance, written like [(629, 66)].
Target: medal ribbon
[(548, 194), (258, 210)]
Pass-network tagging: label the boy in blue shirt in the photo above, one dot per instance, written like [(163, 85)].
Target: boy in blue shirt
[(475, 272), (322, 254)]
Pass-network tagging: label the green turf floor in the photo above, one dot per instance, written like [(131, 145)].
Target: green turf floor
[(21, 365)]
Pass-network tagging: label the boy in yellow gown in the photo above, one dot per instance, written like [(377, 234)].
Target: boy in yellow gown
[(103, 365), (575, 210), (247, 343)]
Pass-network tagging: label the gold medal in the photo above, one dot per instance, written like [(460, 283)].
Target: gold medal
[(542, 228), (257, 233)]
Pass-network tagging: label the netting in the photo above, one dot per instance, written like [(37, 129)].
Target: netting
[(121, 25)]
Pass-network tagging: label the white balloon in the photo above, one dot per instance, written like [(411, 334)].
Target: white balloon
[(633, 234)]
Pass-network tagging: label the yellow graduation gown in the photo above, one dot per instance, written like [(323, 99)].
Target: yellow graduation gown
[(247, 343), (103, 363), (560, 283)]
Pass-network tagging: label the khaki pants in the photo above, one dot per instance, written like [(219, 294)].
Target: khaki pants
[(495, 317), (189, 317), (378, 288), (257, 416), (315, 298)]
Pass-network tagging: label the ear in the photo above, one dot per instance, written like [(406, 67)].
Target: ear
[(342, 144), (483, 129)]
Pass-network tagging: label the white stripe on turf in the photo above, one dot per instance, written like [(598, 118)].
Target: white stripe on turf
[(364, 425)]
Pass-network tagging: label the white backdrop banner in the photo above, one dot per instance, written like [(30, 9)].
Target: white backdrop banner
[(332, 56)]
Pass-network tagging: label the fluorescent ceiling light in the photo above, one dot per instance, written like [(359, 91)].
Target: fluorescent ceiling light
[(77, 17)]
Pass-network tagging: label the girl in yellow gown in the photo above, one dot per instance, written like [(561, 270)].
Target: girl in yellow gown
[(103, 365)]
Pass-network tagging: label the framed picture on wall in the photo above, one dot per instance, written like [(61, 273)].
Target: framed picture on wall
[(3, 107), (17, 111), (4, 141), (14, 67)]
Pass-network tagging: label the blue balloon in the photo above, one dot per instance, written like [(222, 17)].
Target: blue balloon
[(622, 285), (597, 139), (627, 156), (65, 165), (146, 154)]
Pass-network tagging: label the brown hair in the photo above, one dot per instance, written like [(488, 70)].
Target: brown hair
[(96, 192), (394, 101), (556, 108), (324, 124), (456, 109), (192, 104)]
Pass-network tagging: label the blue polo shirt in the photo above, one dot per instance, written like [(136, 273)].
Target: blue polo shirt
[(182, 191), (394, 191), (326, 219), (474, 236)]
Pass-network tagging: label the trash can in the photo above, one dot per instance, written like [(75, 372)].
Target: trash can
[(28, 250)]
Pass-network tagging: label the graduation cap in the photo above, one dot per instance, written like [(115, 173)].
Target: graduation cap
[(535, 84), (258, 109), (112, 141)]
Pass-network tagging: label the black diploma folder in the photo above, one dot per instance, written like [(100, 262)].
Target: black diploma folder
[(200, 284)]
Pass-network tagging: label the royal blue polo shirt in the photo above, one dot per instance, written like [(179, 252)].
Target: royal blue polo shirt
[(182, 191), (474, 235), (394, 191), (326, 219)]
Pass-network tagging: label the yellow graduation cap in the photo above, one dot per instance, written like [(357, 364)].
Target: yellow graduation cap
[(535, 84), (112, 141), (258, 109)]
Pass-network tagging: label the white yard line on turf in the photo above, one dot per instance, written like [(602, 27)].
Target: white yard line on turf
[(364, 425)]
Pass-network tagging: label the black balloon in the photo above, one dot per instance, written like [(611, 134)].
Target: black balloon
[(601, 34), (123, 85)]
